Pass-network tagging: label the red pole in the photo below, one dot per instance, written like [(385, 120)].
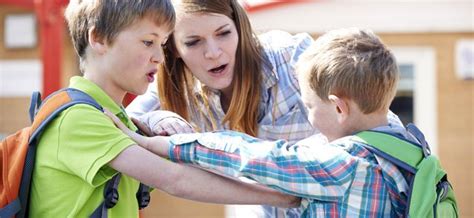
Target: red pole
[(51, 23)]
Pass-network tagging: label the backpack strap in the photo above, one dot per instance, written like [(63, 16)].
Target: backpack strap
[(414, 158), (111, 197), (11, 209), (400, 152), (57, 103), (42, 114), (34, 105), (143, 196)]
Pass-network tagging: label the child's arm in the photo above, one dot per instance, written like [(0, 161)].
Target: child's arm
[(317, 171), (192, 183), (189, 182), (308, 169)]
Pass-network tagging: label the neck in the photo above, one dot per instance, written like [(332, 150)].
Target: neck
[(369, 121), (105, 84)]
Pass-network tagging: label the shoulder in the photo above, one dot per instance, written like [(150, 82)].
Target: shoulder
[(282, 50), (277, 40), (84, 130), (81, 114), (81, 121)]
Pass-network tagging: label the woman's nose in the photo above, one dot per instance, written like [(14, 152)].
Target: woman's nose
[(213, 50)]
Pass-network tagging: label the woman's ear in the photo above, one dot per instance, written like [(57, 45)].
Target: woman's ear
[(341, 107), (96, 43)]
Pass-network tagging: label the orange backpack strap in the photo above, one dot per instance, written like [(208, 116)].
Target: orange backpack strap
[(42, 115)]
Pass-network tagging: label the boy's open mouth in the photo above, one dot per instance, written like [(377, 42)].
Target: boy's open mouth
[(151, 76)]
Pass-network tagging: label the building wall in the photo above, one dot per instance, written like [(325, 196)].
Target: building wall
[(14, 110)]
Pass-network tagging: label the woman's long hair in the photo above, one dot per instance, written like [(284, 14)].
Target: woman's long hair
[(175, 84)]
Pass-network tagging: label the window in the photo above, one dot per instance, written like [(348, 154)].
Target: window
[(415, 101)]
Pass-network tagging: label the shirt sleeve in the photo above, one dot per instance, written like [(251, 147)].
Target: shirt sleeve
[(144, 103), (88, 140), (317, 171)]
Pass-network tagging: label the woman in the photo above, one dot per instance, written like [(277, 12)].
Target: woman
[(218, 75)]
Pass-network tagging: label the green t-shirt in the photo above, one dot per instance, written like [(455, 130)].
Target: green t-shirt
[(71, 167)]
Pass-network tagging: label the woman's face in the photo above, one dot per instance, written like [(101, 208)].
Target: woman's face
[(207, 43)]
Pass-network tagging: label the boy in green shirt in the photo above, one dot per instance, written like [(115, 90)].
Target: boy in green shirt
[(119, 46)]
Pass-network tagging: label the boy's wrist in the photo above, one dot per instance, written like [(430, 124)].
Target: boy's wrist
[(164, 146), (146, 142)]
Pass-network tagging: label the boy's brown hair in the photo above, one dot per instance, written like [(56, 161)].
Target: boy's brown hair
[(354, 64), (109, 17)]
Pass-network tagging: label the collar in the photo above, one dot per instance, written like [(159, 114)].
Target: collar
[(101, 97)]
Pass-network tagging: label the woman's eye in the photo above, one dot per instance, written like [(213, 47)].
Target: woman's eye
[(224, 33), (191, 43), (148, 43)]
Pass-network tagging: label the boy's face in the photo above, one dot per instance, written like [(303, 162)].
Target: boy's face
[(321, 114), (131, 60)]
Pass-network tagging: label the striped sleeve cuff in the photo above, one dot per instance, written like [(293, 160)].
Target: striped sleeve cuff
[(182, 147)]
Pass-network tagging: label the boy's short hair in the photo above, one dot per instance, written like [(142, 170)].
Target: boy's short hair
[(351, 63), (109, 17)]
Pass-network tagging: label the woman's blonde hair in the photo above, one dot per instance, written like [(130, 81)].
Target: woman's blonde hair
[(176, 85)]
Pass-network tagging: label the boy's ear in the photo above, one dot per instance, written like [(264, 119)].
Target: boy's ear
[(341, 107), (97, 44)]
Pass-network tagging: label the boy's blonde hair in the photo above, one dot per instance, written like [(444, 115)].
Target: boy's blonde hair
[(354, 64), (109, 17)]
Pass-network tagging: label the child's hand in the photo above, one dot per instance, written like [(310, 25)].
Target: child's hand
[(117, 122), (136, 137)]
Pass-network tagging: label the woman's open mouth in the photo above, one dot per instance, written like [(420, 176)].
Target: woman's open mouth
[(218, 70)]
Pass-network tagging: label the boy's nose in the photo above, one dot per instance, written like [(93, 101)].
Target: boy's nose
[(213, 50), (158, 56)]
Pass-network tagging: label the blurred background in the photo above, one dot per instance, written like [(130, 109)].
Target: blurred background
[(433, 41)]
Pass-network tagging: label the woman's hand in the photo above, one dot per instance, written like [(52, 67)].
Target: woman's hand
[(161, 122)]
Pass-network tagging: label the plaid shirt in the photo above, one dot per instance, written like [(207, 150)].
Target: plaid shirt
[(337, 179), (281, 114)]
